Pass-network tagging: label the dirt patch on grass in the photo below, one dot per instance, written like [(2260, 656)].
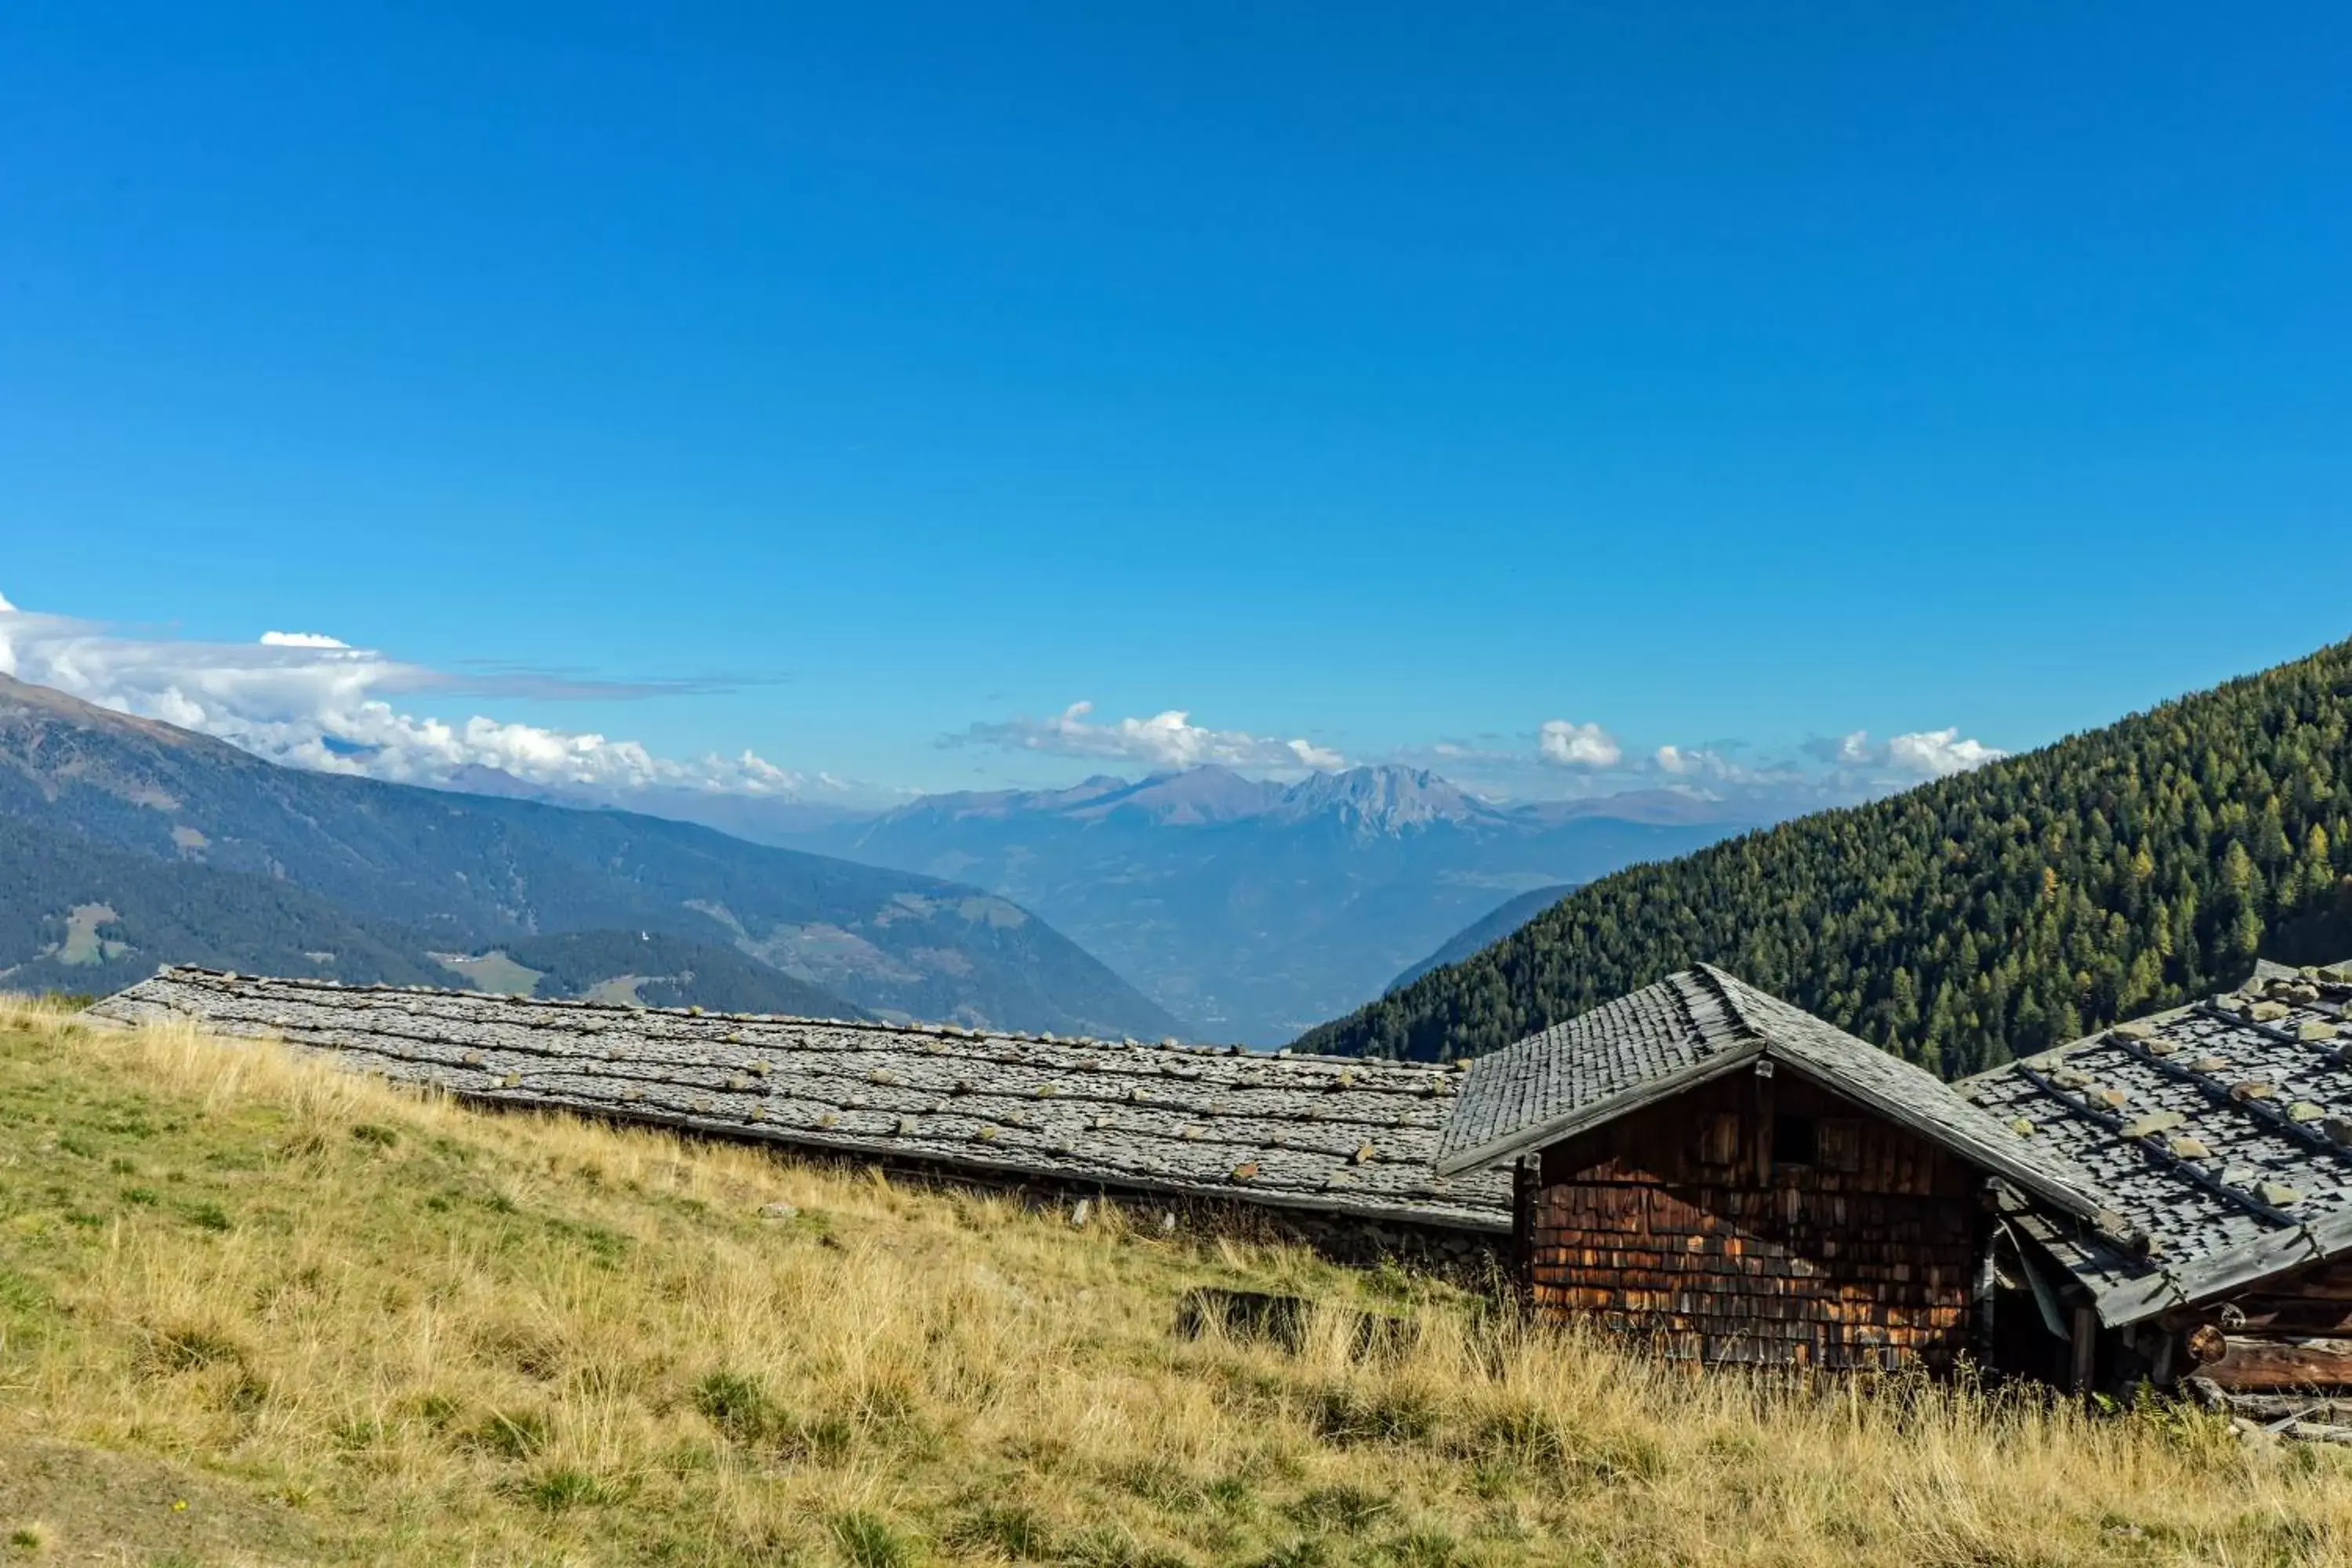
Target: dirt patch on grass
[(66, 1503)]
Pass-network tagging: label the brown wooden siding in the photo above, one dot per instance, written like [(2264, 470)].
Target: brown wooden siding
[(1678, 1223)]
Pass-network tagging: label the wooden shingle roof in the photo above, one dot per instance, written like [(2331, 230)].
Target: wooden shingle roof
[(1698, 1025), (1331, 1135), (2223, 1132)]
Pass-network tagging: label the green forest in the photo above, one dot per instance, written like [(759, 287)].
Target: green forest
[(1980, 917)]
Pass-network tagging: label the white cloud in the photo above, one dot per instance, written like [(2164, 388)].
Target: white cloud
[(1694, 762), (1938, 754), (311, 700), (1166, 739), (1906, 759), (1576, 746)]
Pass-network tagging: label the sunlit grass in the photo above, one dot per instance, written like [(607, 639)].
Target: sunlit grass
[(355, 1322)]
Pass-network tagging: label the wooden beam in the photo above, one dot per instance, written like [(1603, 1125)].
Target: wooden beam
[(2083, 1365), (2251, 1363), (2277, 1319)]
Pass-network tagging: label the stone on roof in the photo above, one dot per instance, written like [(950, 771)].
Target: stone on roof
[(1700, 1023), (2234, 1159), (1330, 1134)]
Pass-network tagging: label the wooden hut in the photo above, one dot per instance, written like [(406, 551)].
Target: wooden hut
[(1734, 1179), (2222, 1133)]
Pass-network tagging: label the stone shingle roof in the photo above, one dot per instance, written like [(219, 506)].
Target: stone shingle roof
[(1700, 1023), (1329, 1135), (2221, 1131)]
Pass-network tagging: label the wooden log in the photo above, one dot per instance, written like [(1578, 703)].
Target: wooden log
[(2253, 1363), (2270, 1407), (2317, 1432)]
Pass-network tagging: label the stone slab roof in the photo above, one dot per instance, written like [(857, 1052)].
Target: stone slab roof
[(2221, 1131), (1695, 1025), (1330, 1134)]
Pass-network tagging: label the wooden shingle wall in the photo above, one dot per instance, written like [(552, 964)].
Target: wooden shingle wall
[(1678, 1224)]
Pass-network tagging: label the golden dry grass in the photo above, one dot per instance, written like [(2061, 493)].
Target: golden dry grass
[(254, 1310)]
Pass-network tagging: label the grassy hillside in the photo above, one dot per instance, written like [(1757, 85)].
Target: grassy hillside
[(255, 1311), (1978, 917)]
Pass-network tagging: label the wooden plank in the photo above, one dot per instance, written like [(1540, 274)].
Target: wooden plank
[(2082, 1361)]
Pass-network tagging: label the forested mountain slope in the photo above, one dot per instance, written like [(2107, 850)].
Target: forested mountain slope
[(79, 915), (469, 873), (1977, 918), (1485, 931)]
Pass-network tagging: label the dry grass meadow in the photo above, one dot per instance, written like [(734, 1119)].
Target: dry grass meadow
[(255, 1310)]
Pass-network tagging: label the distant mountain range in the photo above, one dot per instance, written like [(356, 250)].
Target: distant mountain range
[(126, 842), (1253, 908)]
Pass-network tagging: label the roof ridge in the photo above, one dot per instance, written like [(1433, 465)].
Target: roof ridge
[(1712, 1010), (872, 1026)]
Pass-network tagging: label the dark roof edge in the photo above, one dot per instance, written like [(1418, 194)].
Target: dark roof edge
[(2258, 1257), (1462, 1219)]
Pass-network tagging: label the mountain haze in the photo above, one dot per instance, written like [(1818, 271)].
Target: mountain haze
[(419, 871), (1252, 907), (1479, 934), (1990, 914)]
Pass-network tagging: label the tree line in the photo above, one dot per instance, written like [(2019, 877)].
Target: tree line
[(1981, 917)]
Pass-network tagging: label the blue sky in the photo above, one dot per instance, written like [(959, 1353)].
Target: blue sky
[(1376, 378)]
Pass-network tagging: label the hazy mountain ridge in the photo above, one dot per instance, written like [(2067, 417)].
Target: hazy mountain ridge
[(1506, 918), (1250, 906), (465, 872)]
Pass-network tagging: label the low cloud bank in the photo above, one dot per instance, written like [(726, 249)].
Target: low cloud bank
[(313, 700), (1166, 739)]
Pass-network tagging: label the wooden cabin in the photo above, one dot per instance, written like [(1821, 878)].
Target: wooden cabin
[(1697, 1164), (2221, 1134), (1732, 1180)]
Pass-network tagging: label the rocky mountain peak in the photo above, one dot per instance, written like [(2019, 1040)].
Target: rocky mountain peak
[(1384, 799)]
